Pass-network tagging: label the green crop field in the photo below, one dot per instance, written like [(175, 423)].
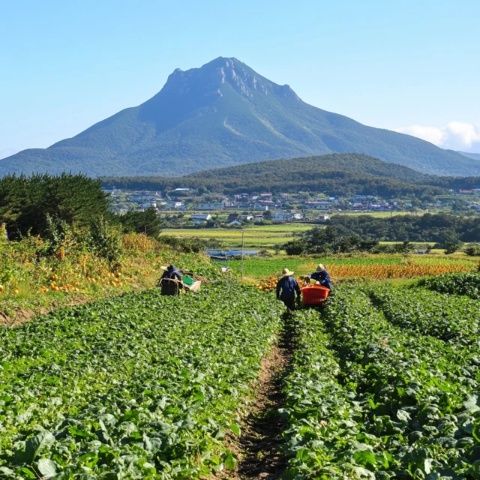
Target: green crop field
[(131, 387), (261, 236), (264, 236), (382, 383), (371, 266), (383, 388)]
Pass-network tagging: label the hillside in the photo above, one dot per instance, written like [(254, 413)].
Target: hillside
[(331, 174), (224, 114), (475, 156)]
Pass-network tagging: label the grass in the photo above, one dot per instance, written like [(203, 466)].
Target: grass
[(257, 236), (356, 213), (29, 286)]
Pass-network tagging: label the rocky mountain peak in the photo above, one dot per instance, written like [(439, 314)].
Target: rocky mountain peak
[(223, 71)]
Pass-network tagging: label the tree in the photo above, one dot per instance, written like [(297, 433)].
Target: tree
[(147, 222), (26, 202), (473, 250)]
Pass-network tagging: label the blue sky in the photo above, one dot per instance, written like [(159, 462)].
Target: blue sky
[(411, 65)]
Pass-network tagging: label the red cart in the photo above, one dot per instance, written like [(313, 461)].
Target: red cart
[(314, 295)]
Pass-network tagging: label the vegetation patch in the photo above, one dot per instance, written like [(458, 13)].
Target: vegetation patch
[(141, 386), (367, 399), (466, 284)]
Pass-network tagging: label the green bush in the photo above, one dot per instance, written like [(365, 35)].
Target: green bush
[(188, 245), (26, 202), (104, 241)]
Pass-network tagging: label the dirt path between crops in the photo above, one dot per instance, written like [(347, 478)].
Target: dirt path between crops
[(259, 448)]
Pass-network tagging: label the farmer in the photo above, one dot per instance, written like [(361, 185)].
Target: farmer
[(321, 275), (171, 282), (287, 289)]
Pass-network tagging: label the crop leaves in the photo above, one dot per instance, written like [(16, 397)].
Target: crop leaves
[(139, 386), (378, 391)]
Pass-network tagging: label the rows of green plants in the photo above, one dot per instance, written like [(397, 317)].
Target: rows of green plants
[(419, 392), (140, 386), (325, 438), (406, 404), (448, 317), (458, 284)]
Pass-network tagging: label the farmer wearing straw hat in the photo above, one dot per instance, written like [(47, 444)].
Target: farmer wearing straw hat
[(288, 289), (321, 275)]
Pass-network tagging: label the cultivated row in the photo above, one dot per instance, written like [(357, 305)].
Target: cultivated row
[(141, 386), (368, 399)]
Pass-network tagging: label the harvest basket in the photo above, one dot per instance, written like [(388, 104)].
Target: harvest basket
[(314, 295)]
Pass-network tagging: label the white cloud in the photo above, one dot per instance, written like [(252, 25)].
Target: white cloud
[(455, 135)]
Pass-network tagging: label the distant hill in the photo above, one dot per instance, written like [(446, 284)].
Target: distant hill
[(224, 114), (475, 156), (331, 174)]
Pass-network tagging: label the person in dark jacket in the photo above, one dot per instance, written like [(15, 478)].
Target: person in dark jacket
[(288, 289), (171, 281), (321, 275)]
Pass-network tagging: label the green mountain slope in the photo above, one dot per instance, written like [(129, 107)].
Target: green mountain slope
[(332, 174), (223, 114)]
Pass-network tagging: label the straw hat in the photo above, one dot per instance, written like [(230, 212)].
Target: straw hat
[(286, 272), (320, 267)]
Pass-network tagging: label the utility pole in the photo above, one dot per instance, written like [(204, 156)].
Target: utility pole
[(243, 246)]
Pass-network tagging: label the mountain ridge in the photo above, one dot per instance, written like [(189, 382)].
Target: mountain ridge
[(475, 156), (223, 114), (330, 174)]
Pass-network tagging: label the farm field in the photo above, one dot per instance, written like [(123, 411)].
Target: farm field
[(270, 237), (261, 236), (381, 383), (379, 266), (385, 389), (131, 387)]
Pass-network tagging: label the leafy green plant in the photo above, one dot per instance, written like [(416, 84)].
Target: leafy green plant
[(450, 318), (104, 241), (368, 399), (325, 438), (140, 386), (459, 284)]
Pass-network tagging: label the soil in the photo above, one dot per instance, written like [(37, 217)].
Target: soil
[(259, 448), (21, 316)]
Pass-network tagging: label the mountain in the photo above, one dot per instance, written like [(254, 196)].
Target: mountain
[(331, 174), (475, 156), (223, 114)]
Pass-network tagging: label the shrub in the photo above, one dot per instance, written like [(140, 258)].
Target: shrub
[(473, 250), (188, 245), (104, 241)]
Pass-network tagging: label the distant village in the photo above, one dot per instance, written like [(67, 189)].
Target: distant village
[(244, 208)]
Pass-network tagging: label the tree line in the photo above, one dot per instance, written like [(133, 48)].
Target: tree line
[(351, 174), (26, 203), (344, 234), (35, 205)]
